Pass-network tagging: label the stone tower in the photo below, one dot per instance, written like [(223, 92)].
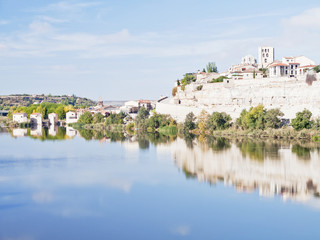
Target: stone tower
[(266, 56)]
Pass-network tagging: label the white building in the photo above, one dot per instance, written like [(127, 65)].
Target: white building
[(249, 59), (72, 117), (20, 117), (291, 67), (36, 119), (53, 118), (266, 56)]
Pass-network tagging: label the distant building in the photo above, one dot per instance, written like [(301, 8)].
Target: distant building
[(20, 117), (72, 117), (20, 132), (53, 118), (249, 59), (291, 67), (36, 119), (266, 56)]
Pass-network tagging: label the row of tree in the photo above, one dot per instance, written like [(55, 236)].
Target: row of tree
[(256, 118)]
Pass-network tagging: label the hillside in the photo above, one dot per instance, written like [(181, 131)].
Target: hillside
[(25, 100)]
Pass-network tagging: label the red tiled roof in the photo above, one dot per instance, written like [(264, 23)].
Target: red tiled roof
[(279, 64)]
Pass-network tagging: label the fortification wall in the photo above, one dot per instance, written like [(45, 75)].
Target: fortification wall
[(232, 96)]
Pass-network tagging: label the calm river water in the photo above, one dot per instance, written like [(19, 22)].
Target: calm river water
[(64, 184)]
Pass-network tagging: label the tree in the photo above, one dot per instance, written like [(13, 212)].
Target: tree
[(189, 123), (141, 119), (203, 70), (211, 67), (218, 121), (98, 118), (61, 113), (302, 120), (254, 119), (202, 121), (272, 119), (317, 69), (86, 118), (188, 78)]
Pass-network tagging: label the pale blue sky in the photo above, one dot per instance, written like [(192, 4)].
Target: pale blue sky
[(121, 50)]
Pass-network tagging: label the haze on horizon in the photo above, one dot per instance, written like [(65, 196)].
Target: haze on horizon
[(121, 50)]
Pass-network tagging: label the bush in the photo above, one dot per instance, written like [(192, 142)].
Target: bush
[(86, 118), (98, 118), (168, 130), (218, 121), (219, 79), (174, 91), (302, 120), (189, 123), (199, 88)]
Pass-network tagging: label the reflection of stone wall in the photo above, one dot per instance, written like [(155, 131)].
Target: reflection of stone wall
[(287, 174)]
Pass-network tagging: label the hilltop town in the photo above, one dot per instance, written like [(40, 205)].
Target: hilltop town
[(290, 85)]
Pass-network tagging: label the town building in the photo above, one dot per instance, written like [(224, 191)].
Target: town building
[(36, 119), (20, 117), (72, 117), (266, 56), (53, 118)]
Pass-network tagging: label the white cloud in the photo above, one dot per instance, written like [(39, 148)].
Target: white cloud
[(65, 6), (42, 197), (182, 230), (307, 19), (51, 19), (3, 22)]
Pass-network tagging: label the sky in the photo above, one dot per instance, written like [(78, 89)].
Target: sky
[(130, 49)]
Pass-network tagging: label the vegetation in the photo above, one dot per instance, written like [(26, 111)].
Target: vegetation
[(218, 121), (174, 91), (189, 123), (86, 118), (317, 69), (264, 71), (211, 67), (259, 118), (219, 79), (199, 88), (115, 118), (302, 120), (188, 78), (44, 108)]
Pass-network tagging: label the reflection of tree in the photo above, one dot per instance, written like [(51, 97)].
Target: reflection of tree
[(188, 138), (86, 134), (115, 136), (259, 150), (219, 143), (61, 134), (302, 153)]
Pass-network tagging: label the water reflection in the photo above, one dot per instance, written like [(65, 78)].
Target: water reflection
[(273, 168), (288, 169)]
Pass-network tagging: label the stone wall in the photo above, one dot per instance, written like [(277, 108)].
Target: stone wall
[(291, 95)]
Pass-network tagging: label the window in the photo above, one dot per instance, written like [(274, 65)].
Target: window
[(267, 55), (262, 54), (296, 66), (291, 66), (296, 72), (265, 60), (286, 72), (262, 50), (291, 72)]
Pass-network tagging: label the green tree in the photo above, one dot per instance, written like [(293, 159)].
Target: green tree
[(272, 118), (218, 121), (302, 120), (141, 119), (60, 112), (187, 79), (211, 67), (254, 119), (98, 118), (86, 118), (189, 123), (317, 69)]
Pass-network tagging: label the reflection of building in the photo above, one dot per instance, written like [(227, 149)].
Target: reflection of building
[(53, 118), (284, 174), (71, 132), (36, 131), (36, 119), (53, 129), (19, 132), (20, 117)]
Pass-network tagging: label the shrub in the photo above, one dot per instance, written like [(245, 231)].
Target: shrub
[(189, 123), (86, 118), (218, 121), (302, 120), (272, 119), (199, 88), (219, 79), (168, 130), (174, 91)]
